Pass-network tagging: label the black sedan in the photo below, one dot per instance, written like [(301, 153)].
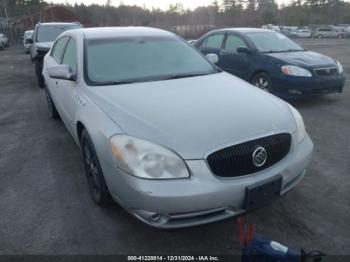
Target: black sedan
[(273, 62)]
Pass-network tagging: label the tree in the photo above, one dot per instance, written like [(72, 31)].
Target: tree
[(268, 10)]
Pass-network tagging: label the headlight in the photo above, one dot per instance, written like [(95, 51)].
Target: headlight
[(147, 160), (340, 67), (291, 70), (301, 133)]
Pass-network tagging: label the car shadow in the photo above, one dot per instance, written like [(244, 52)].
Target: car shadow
[(315, 101)]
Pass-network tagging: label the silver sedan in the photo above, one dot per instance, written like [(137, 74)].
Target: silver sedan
[(165, 133)]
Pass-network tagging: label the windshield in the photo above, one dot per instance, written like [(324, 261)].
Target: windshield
[(273, 42), (140, 59), (49, 33)]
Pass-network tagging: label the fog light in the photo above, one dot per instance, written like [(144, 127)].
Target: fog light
[(155, 217), (151, 217)]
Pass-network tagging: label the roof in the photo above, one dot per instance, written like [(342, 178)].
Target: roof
[(246, 30), (57, 23), (107, 32)]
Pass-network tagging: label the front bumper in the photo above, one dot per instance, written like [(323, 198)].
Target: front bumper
[(295, 87), (202, 198)]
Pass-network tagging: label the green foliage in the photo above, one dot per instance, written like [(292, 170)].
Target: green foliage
[(17, 8)]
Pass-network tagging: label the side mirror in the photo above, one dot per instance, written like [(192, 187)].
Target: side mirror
[(213, 58), (63, 72), (29, 41), (243, 49)]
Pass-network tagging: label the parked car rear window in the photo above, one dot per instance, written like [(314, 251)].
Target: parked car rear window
[(28, 34), (273, 42), (49, 33), (141, 59)]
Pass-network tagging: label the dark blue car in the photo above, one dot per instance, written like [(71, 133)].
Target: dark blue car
[(273, 62)]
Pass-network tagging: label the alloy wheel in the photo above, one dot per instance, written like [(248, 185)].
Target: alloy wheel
[(92, 172), (262, 83)]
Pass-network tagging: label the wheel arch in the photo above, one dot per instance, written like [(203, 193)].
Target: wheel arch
[(79, 130)]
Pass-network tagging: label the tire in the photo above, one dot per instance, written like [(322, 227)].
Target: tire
[(38, 72), (340, 36), (2, 46), (319, 36), (51, 105), (97, 184), (263, 81)]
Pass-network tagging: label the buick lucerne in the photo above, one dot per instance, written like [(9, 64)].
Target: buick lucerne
[(165, 133)]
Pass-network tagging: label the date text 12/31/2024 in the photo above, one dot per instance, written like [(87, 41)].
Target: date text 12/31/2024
[(173, 258)]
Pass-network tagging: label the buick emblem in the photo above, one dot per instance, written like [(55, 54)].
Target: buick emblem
[(328, 71), (259, 156)]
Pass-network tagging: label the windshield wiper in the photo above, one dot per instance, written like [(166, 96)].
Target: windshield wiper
[(295, 50), (272, 51), (110, 83), (168, 77), (284, 51), (177, 76)]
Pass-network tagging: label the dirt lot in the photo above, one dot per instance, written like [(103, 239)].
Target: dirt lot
[(45, 207)]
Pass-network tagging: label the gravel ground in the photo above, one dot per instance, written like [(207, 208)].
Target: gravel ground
[(45, 207)]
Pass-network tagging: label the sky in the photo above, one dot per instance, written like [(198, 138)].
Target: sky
[(162, 4)]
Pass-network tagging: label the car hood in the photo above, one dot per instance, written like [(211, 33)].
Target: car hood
[(44, 45), (194, 116), (306, 59)]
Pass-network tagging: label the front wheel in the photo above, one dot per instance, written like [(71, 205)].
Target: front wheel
[(97, 184), (263, 81), (39, 72), (51, 105)]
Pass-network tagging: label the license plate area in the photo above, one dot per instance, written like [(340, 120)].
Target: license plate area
[(262, 193)]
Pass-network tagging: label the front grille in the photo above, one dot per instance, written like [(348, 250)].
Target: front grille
[(326, 71), (237, 160)]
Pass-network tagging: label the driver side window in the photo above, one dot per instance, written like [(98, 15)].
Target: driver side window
[(70, 55), (58, 49), (214, 41), (233, 42)]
